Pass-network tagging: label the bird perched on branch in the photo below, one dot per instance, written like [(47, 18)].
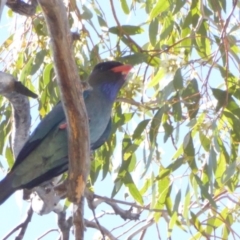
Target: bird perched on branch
[(45, 154)]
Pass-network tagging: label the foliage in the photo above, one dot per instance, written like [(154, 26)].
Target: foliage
[(176, 126)]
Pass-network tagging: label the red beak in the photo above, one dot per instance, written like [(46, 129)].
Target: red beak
[(124, 69)]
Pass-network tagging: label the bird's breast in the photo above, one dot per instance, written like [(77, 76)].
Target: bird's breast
[(99, 113)]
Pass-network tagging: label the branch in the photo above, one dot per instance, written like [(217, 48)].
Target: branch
[(132, 204), (125, 214), (141, 229), (2, 4), (72, 98), (64, 225), (22, 8), (94, 201), (103, 229), (23, 225), (71, 89), (46, 233)]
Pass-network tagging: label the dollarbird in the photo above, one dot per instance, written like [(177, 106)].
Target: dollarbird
[(45, 154)]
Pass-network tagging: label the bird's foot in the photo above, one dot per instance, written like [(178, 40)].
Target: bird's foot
[(63, 126)]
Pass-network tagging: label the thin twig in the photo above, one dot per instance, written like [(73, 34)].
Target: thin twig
[(23, 225), (46, 233), (64, 225), (96, 226)]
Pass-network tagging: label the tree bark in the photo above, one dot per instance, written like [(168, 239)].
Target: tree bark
[(73, 102)]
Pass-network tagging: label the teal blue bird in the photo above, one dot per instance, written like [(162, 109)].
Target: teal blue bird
[(45, 154)]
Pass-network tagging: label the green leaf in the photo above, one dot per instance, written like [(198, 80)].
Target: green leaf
[(146, 186), (189, 152), (178, 80), (153, 31), (120, 119), (187, 202), (20, 61), (126, 29), (149, 160), (125, 7), (140, 128), (171, 168), (94, 54), (128, 182), (10, 13), (26, 70), (136, 58), (204, 191), (205, 141), (203, 43), (38, 61), (177, 201), (188, 146), (230, 171), (223, 5), (47, 74), (39, 27), (95, 168), (9, 156), (101, 21), (177, 108), (165, 93), (106, 154), (187, 21), (117, 186), (132, 165), (172, 222), (191, 97), (131, 44), (212, 160), (164, 189), (196, 222), (229, 221), (168, 130), (149, 6), (87, 14), (234, 123), (155, 124), (160, 7), (221, 167), (207, 11), (178, 5), (215, 222), (157, 78), (220, 147), (167, 28), (67, 204)]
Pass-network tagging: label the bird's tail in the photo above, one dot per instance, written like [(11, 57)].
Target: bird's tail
[(6, 189)]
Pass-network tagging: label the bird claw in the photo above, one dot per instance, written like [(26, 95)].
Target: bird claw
[(63, 126)]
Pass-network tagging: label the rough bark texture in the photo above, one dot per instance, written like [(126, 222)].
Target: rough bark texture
[(69, 82)]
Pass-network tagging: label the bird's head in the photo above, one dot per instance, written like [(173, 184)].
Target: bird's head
[(109, 77)]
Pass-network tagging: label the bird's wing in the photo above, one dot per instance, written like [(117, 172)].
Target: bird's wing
[(52, 120), (104, 136)]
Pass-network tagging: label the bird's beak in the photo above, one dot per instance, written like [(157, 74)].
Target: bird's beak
[(124, 69)]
